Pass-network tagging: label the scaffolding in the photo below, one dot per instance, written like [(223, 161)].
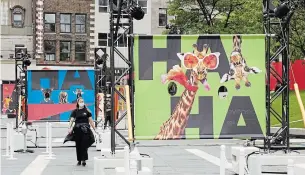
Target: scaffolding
[(277, 30), (21, 90), (102, 73)]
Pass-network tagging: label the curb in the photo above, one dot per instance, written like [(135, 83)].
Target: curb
[(296, 132)]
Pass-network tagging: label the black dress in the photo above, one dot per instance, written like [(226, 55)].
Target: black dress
[(83, 135)]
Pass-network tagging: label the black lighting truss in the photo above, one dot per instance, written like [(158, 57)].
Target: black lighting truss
[(115, 17), (277, 30), (20, 88), (101, 79)]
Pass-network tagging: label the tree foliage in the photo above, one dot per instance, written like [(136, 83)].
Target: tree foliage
[(297, 34), (232, 17)]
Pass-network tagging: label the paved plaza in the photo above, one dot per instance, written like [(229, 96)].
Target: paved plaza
[(168, 160), (170, 157)]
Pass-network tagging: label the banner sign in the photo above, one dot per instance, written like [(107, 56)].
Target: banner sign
[(100, 106), (199, 86), (52, 94), (8, 99)]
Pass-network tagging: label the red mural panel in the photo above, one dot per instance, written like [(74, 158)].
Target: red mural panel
[(297, 73), (8, 102)]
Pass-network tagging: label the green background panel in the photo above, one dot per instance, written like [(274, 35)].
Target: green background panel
[(152, 101)]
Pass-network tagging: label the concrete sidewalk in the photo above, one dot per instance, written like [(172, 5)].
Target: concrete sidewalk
[(170, 156), (168, 160)]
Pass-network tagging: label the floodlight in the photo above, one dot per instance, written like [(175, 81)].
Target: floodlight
[(102, 59), (99, 61), (282, 10), (100, 56), (136, 12), (26, 62), (20, 51)]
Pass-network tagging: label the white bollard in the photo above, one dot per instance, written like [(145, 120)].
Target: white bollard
[(50, 155), (47, 138), (290, 167), (7, 153), (11, 134), (126, 160), (222, 160), (242, 162), (133, 156)]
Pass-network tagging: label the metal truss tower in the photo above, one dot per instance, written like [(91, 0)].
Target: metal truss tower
[(114, 37), (20, 88), (277, 30), (115, 17)]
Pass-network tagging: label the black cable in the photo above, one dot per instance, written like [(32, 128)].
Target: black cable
[(35, 143), (274, 172), (247, 157), (257, 152), (144, 155)]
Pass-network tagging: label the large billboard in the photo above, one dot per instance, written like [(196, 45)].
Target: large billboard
[(8, 98), (199, 86), (52, 94)]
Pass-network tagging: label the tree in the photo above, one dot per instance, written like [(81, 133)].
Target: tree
[(217, 16), (230, 17), (297, 34)]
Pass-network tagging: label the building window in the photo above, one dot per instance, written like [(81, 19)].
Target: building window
[(49, 50), (162, 17), (17, 16), (65, 50), (103, 6), (143, 4), (49, 23), (102, 39), (105, 40), (80, 23), (65, 23), (80, 51), (122, 41)]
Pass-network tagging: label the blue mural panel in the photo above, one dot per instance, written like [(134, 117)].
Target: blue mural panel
[(52, 94)]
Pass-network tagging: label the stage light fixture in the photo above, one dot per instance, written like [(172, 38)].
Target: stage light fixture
[(27, 62), (102, 59), (282, 10), (99, 61), (136, 12)]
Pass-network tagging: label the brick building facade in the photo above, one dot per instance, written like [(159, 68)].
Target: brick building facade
[(62, 34), (16, 27)]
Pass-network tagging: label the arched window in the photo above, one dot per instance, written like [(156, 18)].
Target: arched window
[(17, 16)]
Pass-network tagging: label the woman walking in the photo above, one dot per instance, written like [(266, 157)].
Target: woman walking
[(80, 121)]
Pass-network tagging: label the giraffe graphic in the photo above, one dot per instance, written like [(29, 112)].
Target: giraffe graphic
[(239, 69), (198, 63)]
